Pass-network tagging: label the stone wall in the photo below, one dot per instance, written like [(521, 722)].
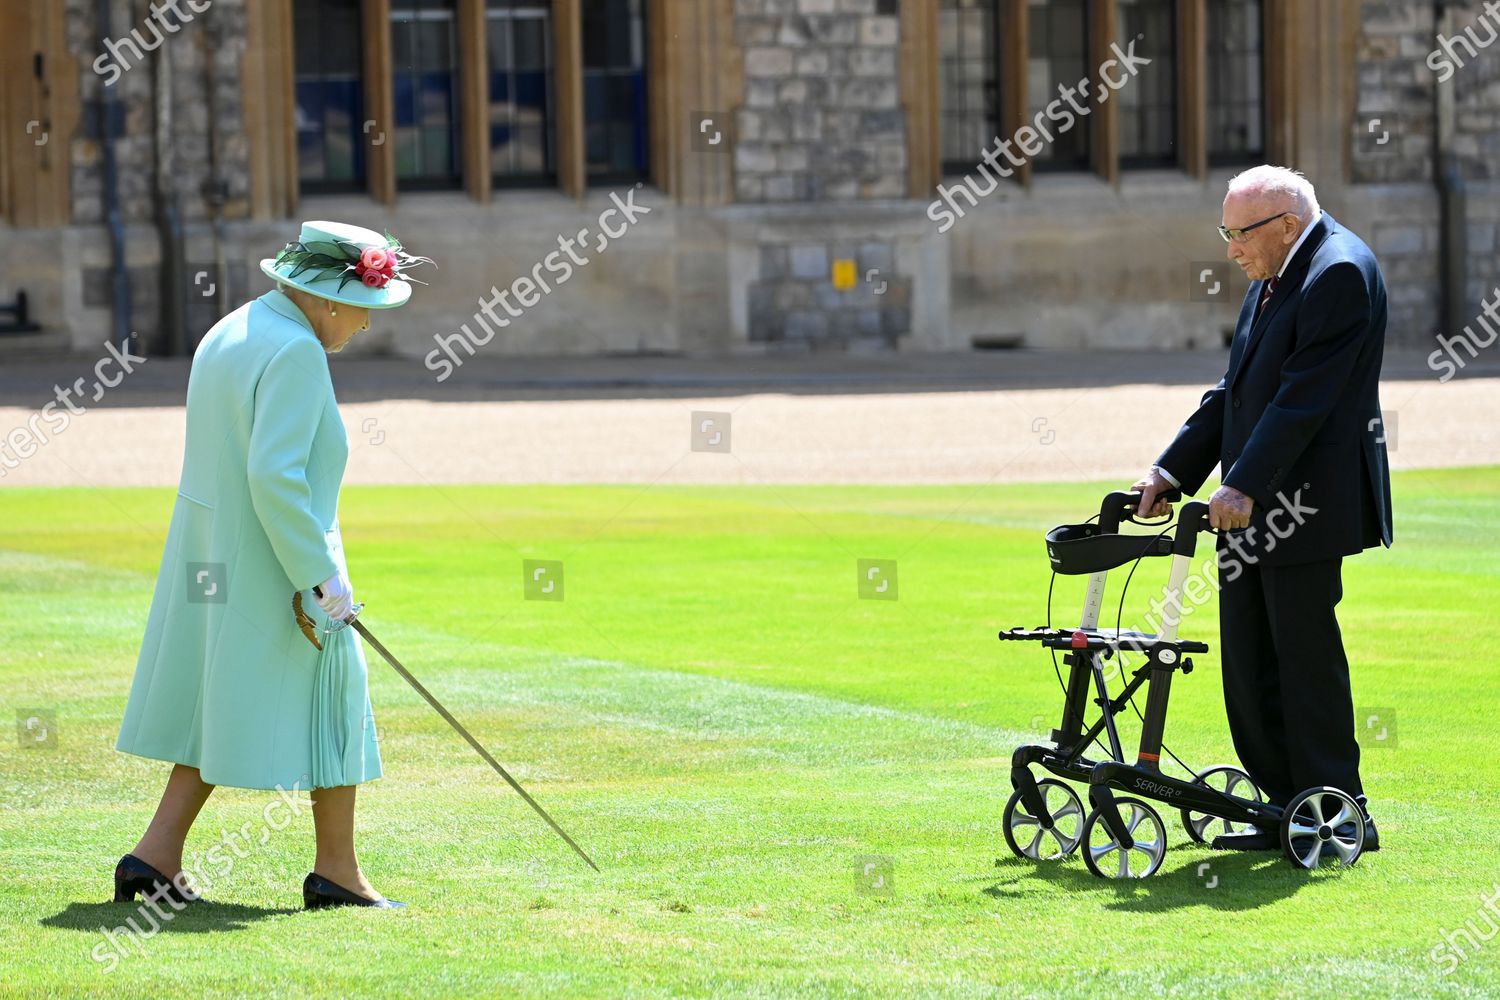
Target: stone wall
[(819, 166), (205, 55), (1477, 146), (1402, 56), (1393, 126), (822, 122), (794, 302), (822, 114), (1076, 263)]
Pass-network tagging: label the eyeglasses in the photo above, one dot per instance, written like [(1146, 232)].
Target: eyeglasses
[(1239, 235)]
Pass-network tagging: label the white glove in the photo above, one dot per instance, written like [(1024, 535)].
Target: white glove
[(338, 596)]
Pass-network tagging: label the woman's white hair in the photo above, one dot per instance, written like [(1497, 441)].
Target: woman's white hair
[(286, 289), (1276, 184)]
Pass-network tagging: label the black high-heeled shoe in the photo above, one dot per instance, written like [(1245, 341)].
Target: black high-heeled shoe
[(318, 893), (132, 875)]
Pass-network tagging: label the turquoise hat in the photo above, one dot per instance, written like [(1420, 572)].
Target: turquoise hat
[(346, 264)]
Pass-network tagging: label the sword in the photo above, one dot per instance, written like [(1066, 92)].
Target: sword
[(308, 629)]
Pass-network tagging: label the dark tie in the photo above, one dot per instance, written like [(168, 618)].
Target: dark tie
[(1265, 295)]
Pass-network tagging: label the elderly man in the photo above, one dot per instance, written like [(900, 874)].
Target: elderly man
[(1295, 425)]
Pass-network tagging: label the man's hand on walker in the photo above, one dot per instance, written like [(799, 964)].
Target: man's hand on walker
[(1150, 487), (1228, 508)]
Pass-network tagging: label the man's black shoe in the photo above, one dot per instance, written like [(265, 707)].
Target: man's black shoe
[(1372, 841), (1252, 838), (1372, 835)]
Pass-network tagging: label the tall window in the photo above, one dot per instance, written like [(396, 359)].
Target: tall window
[(469, 95), (1236, 82), (424, 64), (1001, 64), (329, 95), (614, 90), (522, 130), (1148, 102), (969, 94), (1058, 57)]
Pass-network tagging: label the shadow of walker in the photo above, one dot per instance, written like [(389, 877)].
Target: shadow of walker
[(1221, 880)]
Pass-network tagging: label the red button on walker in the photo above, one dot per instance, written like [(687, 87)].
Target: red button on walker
[(1080, 640)]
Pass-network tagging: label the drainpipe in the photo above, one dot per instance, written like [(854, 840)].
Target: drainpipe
[(1453, 233), (108, 113), (168, 217), (216, 187)]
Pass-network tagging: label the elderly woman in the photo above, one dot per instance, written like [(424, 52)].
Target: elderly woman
[(228, 687)]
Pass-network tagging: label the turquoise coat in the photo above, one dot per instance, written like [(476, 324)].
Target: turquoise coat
[(226, 682)]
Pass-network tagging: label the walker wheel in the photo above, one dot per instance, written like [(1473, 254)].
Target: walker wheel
[(1026, 835), (1322, 824), (1221, 778), (1107, 859)]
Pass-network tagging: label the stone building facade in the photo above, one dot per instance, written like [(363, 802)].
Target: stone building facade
[(794, 160)]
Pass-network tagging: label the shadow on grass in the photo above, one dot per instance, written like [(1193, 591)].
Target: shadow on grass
[(141, 918), (1223, 881)]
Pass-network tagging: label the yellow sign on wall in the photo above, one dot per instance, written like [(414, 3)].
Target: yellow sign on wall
[(844, 274)]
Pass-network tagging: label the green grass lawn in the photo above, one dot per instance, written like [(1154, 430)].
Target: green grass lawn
[(733, 734)]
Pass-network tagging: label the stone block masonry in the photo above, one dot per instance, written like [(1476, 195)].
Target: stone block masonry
[(794, 304), (822, 115)]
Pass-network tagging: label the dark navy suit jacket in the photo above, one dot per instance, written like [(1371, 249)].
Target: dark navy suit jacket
[(1295, 422)]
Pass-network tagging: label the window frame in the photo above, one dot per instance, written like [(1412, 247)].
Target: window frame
[(360, 180), (1175, 158), (1082, 163), (612, 177), (454, 180), (1190, 89), (474, 172), (992, 88), (548, 176), (1248, 157)]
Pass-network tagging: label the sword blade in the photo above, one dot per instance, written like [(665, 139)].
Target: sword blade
[(437, 705)]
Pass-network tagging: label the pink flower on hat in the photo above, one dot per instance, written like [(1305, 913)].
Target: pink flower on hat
[(376, 267), (377, 259)]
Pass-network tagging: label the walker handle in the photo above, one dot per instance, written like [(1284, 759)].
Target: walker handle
[(1191, 520), (1122, 504)]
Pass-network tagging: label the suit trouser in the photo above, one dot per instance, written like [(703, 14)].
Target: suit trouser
[(1286, 679)]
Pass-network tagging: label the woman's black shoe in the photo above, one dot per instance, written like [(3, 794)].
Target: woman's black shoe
[(318, 892), (132, 875)]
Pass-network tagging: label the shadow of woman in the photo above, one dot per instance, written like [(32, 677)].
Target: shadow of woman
[(143, 919)]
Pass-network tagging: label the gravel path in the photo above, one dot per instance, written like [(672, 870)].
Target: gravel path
[(948, 419)]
